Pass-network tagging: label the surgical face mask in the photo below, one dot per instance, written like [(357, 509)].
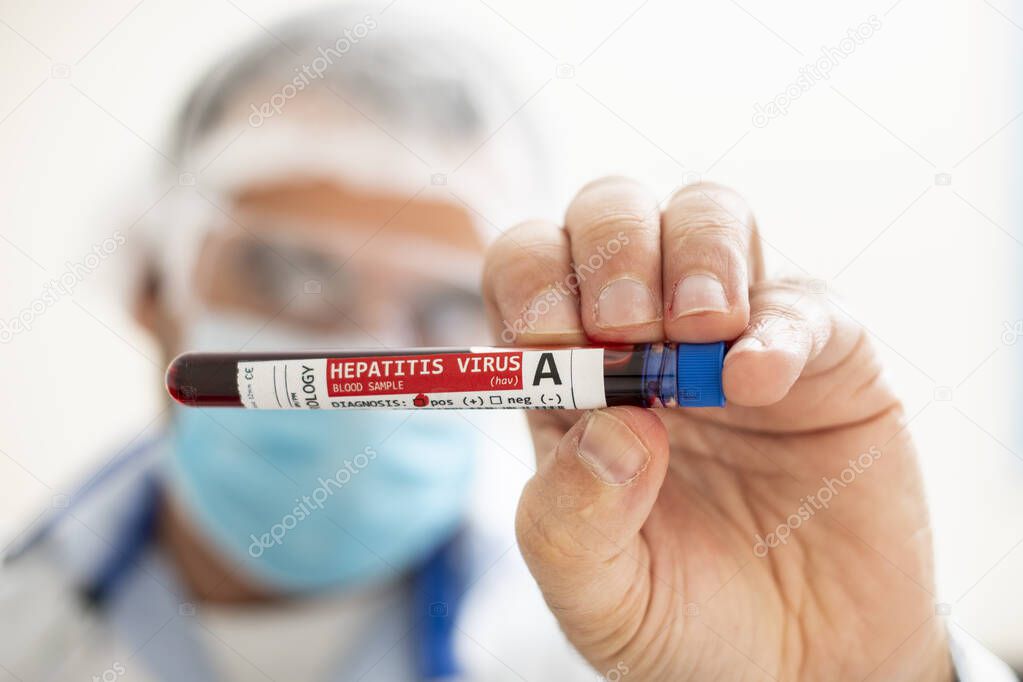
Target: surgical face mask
[(305, 500)]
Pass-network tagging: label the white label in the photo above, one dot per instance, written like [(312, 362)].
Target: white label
[(478, 378)]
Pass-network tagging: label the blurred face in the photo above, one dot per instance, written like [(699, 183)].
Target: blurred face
[(321, 256), (317, 265), (369, 269)]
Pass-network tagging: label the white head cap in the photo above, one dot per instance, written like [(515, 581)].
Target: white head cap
[(386, 102)]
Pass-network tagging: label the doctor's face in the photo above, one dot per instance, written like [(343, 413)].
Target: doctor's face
[(369, 269), (312, 265)]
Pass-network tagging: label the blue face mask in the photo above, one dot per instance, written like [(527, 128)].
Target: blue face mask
[(312, 499)]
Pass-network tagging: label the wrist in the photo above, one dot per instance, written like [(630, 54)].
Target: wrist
[(940, 666), (943, 669)]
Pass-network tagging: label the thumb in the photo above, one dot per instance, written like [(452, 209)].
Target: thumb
[(579, 519)]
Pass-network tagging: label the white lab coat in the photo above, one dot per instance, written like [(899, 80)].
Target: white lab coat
[(152, 631)]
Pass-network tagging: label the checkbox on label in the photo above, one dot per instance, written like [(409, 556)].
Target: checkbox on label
[(495, 400)]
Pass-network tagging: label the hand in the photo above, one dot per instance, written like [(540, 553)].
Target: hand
[(784, 537)]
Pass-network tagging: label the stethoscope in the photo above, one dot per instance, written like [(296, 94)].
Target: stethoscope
[(437, 586)]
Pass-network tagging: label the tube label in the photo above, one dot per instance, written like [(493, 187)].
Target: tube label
[(477, 378)]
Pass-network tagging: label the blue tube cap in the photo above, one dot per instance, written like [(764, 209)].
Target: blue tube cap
[(698, 382)]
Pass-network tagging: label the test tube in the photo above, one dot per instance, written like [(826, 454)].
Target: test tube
[(582, 378)]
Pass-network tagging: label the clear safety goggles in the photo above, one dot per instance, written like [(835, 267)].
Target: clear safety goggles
[(340, 282)]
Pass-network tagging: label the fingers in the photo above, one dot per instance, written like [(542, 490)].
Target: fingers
[(793, 333), (710, 256), (613, 226), (618, 273), (579, 518), (529, 287)]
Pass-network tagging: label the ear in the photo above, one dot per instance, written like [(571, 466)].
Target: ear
[(150, 310), (146, 304)]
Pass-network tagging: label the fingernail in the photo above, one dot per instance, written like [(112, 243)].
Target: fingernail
[(624, 302), (699, 294), (551, 312), (611, 450)]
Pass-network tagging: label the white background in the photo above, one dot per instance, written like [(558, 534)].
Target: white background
[(843, 184)]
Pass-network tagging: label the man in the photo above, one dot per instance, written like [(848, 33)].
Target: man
[(333, 546)]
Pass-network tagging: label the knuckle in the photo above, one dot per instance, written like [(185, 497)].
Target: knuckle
[(552, 523), (533, 233), (544, 539), (528, 273), (708, 246), (783, 310), (536, 260), (706, 192), (712, 204), (609, 184), (552, 542), (611, 205), (618, 224), (778, 312), (705, 224), (527, 250)]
